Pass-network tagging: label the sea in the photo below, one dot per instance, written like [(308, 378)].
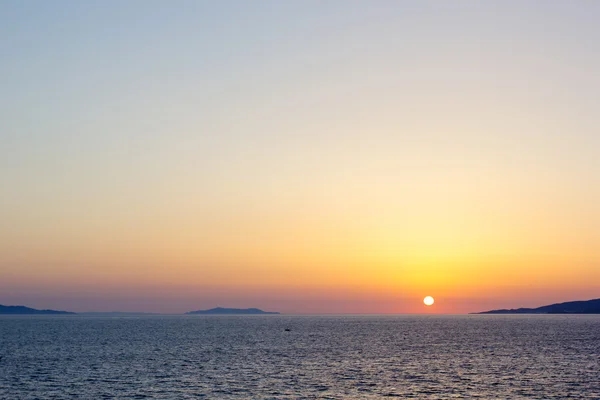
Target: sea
[(300, 357)]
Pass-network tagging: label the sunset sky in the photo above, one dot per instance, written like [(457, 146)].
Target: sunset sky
[(299, 156)]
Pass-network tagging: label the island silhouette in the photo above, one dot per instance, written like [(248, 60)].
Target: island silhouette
[(22, 310), (570, 307), (231, 311)]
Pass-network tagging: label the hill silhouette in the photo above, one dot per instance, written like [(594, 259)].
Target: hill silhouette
[(22, 310), (232, 311), (570, 307)]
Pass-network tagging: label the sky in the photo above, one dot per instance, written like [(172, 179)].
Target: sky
[(299, 156)]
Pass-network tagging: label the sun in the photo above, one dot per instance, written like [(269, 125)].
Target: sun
[(428, 300)]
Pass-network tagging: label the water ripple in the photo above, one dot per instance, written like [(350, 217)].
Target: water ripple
[(345, 357)]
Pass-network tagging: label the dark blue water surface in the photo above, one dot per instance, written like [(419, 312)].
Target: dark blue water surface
[(334, 357)]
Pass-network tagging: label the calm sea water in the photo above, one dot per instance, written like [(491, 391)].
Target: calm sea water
[(334, 357)]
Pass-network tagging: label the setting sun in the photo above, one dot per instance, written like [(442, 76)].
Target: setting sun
[(428, 300)]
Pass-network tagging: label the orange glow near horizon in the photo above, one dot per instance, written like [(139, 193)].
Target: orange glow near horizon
[(324, 158)]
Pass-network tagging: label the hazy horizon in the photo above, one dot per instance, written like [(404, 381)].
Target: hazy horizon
[(301, 157), (424, 311)]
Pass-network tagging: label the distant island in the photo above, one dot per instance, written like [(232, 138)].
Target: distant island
[(115, 313), (231, 311), (22, 310), (571, 307)]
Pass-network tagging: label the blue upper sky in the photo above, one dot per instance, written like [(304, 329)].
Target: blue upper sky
[(138, 134)]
